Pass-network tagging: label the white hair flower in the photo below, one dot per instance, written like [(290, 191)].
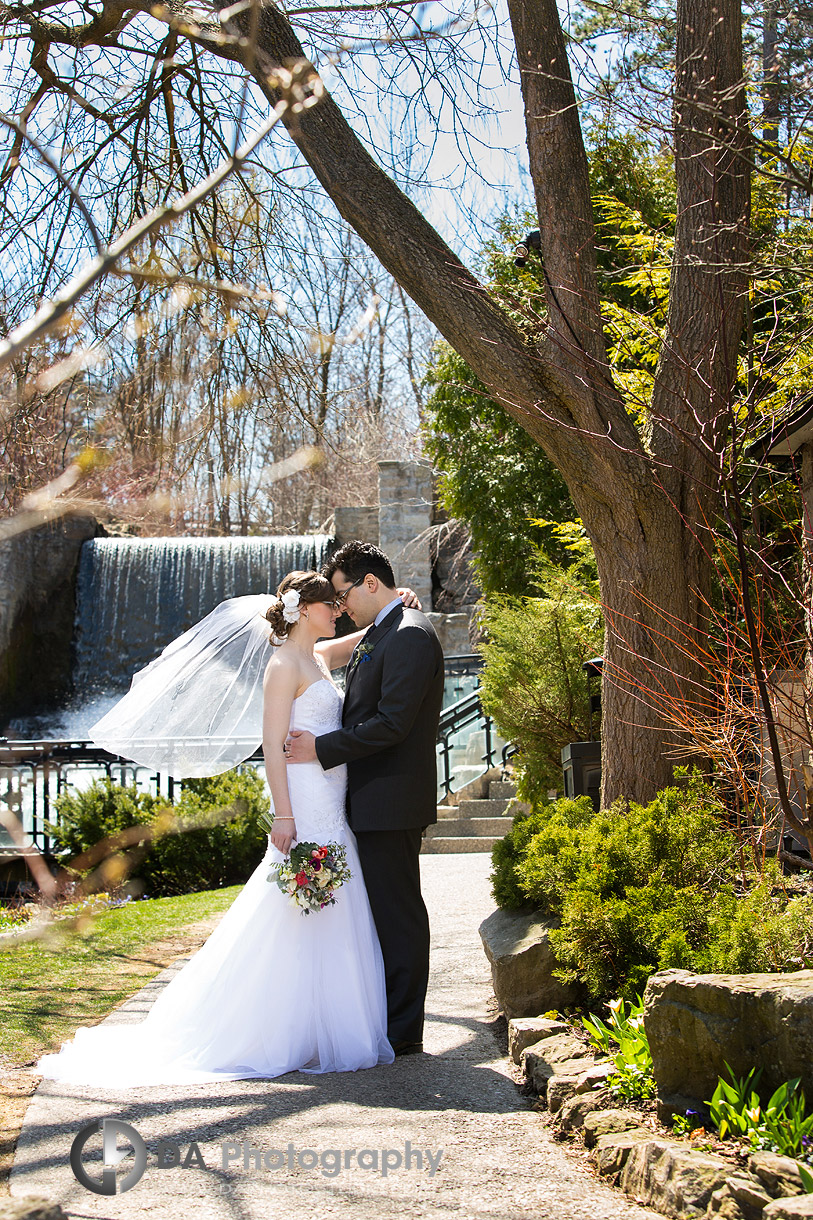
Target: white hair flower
[(290, 606)]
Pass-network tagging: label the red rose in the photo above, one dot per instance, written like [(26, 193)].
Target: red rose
[(301, 879)]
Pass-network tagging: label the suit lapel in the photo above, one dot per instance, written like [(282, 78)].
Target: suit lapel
[(373, 636)]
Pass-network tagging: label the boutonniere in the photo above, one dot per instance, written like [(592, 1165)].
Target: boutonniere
[(362, 653)]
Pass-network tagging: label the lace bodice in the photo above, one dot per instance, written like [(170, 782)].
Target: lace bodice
[(318, 796), (318, 709)]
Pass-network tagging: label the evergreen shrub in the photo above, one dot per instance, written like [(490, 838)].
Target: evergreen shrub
[(643, 888), (208, 839)]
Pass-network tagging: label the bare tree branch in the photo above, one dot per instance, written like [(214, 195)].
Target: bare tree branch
[(299, 89)]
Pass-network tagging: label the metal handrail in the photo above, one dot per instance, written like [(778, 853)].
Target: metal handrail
[(456, 717), (53, 759)]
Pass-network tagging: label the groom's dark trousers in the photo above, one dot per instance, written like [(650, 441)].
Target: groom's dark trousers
[(393, 696)]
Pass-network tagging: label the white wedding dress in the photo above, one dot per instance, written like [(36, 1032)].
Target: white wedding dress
[(273, 990)]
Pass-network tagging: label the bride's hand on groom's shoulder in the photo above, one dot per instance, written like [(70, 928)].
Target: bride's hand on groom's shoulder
[(410, 599)]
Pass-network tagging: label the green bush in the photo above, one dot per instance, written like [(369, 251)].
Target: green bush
[(533, 684), (103, 809), (644, 888), (208, 839), (507, 855)]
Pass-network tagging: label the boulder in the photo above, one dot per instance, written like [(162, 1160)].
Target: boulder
[(561, 1048), (723, 1205), (613, 1149), (748, 1192), (559, 1055), (798, 1208), (673, 1176), (525, 1031), (778, 1174), (596, 1076), (696, 1023), (579, 1107), (540, 1072), (30, 1207), (742, 1198), (522, 964), (608, 1122), (559, 1092), (455, 587)]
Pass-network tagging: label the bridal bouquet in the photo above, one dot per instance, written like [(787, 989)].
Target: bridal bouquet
[(311, 874)]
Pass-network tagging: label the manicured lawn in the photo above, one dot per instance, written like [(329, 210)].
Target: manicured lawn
[(49, 988)]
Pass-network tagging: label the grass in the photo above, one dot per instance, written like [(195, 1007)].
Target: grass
[(48, 988)]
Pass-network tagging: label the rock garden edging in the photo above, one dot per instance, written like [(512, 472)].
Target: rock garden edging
[(673, 1176)]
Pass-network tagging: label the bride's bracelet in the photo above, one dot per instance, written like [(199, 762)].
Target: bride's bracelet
[(283, 819)]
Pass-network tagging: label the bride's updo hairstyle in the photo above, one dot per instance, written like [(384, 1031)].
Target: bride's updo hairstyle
[(311, 587)]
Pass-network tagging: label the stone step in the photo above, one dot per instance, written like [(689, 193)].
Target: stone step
[(475, 808), (502, 789), (487, 809), (465, 827), (447, 811), (437, 845)]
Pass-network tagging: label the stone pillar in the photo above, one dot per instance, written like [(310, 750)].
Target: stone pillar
[(356, 524), (404, 523)]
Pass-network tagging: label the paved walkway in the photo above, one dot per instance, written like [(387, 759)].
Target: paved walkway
[(497, 1157)]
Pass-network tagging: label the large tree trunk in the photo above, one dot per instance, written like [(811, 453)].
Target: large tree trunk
[(641, 499)]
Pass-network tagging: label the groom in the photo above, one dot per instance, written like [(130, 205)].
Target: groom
[(393, 695)]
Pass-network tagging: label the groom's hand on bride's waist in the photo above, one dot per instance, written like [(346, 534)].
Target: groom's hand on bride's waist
[(300, 746)]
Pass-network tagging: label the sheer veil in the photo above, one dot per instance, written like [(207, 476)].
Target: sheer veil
[(197, 708)]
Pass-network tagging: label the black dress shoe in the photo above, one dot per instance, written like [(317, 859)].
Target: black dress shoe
[(407, 1048)]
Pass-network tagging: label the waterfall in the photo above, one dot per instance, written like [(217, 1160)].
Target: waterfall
[(134, 595)]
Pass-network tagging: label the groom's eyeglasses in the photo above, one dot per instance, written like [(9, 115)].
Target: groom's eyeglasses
[(341, 598)]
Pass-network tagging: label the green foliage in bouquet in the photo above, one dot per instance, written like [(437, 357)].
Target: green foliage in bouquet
[(310, 875), (210, 838), (643, 888)]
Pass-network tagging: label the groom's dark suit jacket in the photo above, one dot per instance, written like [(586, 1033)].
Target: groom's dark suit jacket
[(393, 696)]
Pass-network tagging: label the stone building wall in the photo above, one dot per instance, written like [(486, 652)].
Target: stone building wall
[(357, 523)]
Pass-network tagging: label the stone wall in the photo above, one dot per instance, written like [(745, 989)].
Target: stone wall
[(454, 633), (37, 604)]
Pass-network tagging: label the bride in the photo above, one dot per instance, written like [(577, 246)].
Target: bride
[(272, 990)]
